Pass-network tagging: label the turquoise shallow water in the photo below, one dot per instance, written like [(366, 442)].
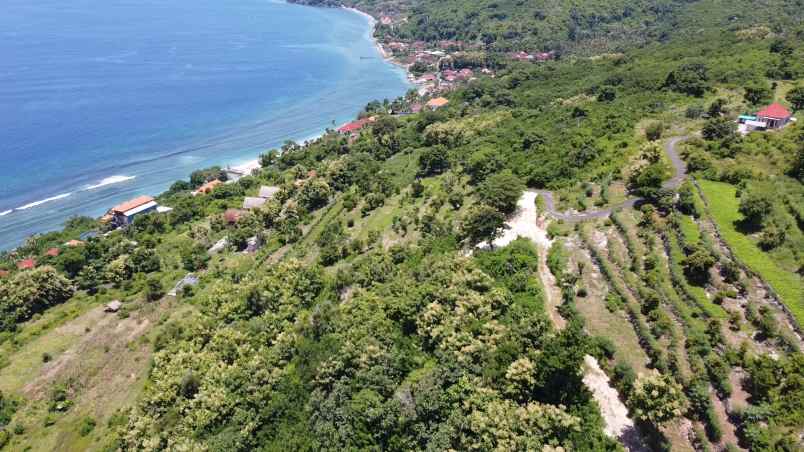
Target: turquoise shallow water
[(101, 101)]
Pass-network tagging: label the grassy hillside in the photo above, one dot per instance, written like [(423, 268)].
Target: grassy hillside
[(365, 317)]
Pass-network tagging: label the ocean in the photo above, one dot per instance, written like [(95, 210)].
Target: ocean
[(105, 100)]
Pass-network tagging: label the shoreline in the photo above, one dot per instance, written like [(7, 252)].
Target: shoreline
[(250, 165), (247, 165)]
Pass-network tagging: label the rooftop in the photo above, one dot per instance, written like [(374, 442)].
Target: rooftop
[(437, 102), (132, 204), (775, 110)]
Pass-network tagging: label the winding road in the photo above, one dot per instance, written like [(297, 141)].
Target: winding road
[(679, 174)]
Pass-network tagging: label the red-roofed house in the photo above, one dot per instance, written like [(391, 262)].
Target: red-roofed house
[(437, 103), (4, 273), (124, 214), (26, 264), (353, 127), (52, 252), (774, 115), (74, 243), (207, 187)]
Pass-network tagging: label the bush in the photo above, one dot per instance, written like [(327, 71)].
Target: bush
[(654, 131), (87, 425), (153, 289)]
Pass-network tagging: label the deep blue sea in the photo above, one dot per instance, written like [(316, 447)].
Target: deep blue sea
[(104, 100)]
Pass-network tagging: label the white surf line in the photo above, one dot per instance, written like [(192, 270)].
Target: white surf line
[(43, 201), (116, 179)]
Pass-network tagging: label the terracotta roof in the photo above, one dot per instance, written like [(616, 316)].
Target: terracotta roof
[(52, 252), (353, 126), (437, 102), (231, 215), (26, 264), (774, 110), (132, 204), (4, 273), (209, 186)]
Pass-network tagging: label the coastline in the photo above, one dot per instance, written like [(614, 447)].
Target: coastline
[(249, 166), (59, 205)]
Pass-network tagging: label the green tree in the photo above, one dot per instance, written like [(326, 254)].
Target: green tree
[(433, 160), (483, 222), (719, 129), (647, 180), (697, 264), (153, 288), (501, 191), (756, 205), (690, 79), (31, 292), (757, 93), (657, 399), (796, 97)]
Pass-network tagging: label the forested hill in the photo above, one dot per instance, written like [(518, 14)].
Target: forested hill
[(568, 254), (593, 26)]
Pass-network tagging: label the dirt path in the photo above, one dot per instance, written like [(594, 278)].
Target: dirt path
[(614, 412), (679, 174), (527, 223)]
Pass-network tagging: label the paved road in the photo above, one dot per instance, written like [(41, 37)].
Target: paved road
[(679, 174)]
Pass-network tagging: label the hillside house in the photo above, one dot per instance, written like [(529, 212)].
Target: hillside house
[(268, 192), (26, 264), (775, 116), (207, 187), (52, 252), (125, 213), (438, 102), (253, 202)]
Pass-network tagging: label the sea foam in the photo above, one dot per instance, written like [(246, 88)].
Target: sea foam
[(38, 203), (109, 181)]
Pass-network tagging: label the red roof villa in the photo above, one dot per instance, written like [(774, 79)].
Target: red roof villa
[(774, 115), (26, 264)]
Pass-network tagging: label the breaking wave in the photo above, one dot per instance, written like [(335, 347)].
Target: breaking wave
[(38, 203), (109, 181)]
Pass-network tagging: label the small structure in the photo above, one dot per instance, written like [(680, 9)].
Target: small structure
[(124, 214), (253, 245), (251, 202), (188, 281), (207, 187), (52, 252), (219, 246), (234, 174), (774, 115), (437, 103), (268, 192), (4, 273), (415, 107), (26, 264), (113, 306), (74, 243), (88, 235)]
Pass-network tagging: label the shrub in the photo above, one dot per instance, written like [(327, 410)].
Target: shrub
[(654, 131), (87, 425)]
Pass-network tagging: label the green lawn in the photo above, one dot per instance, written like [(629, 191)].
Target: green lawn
[(690, 229), (723, 205)]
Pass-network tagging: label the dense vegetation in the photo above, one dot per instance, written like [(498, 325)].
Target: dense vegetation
[(362, 321)]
